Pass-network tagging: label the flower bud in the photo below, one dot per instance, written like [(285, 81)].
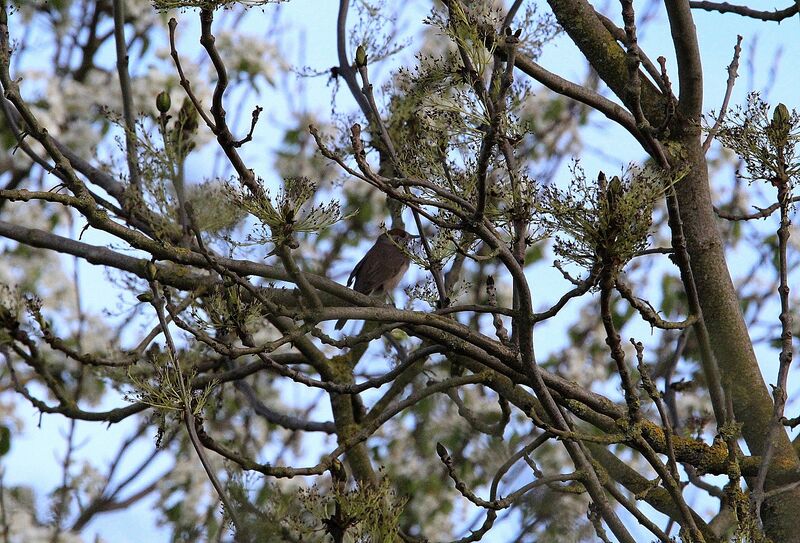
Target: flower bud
[(781, 114), (163, 102), (361, 56), (151, 271), (778, 131)]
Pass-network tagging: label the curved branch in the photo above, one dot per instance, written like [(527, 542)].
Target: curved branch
[(345, 68), (777, 15)]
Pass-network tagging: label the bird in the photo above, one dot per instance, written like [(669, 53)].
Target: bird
[(382, 267)]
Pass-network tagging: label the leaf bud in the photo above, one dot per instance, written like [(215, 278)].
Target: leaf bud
[(151, 271), (163, 102), (361, 56), (778, 131), (614, 193)]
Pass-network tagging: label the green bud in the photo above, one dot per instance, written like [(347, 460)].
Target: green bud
[(781, 114), (151, 270), (778, 131), (163, 102), (361, 56), (145, 297), (614, 193)]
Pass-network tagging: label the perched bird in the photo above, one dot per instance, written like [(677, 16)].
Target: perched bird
[(382, 267)]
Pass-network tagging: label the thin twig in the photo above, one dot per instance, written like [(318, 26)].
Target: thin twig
[(620, 35), (762, 213), (514, 458), (733, 73), (506, 502), (649, 314), (709, 362), (125, 88), (298, 276), (633, 87), (249, 137), (779, 391), (185, 83), (652, 391), (512, 12), (641, 517), (615, 346), (345, 69), (499, 327)]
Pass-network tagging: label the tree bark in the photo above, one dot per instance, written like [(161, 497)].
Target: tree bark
[(730, 340)]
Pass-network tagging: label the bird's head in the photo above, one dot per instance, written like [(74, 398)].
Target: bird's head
[(398, 234), (396, 237)]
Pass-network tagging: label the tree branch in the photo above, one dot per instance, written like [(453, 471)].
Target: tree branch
[(125, 88), (724, 7)]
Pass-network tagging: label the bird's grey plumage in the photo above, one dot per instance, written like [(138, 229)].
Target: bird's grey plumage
[(382, 267)]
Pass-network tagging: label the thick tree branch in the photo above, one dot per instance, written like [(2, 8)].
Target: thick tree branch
[(687, 50)]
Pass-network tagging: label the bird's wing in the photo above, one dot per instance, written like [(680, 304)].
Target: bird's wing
[(375, 269), (354, 273)]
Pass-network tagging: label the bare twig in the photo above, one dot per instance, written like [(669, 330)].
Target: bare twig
[(744, 11), (298, 276), (281, 419), (641, 517), (345, 69), (506, 502), (512, 12), (219, 125), (779, 391), (249, 137), (473, 418), (125, 88), (648, 313), (652, 391), (514, 458), (615, 345), (687, 52), (633, 87), (762, 213), (499, 327), (733, 73), (185, 83), (620, 35), (710, 367)]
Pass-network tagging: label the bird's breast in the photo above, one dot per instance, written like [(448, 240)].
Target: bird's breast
[(392, 282)]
